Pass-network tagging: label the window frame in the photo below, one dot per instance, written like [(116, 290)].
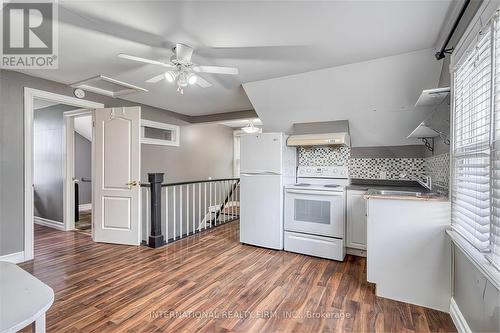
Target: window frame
[(465, 45), (175, 142)]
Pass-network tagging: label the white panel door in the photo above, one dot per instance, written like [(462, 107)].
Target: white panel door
[(116, 188), (261, 153), (261, 211)]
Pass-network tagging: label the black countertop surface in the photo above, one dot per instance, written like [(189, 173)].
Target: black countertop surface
[(384, 184)]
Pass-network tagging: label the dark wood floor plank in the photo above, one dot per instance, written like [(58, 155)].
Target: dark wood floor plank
[(209, 282)]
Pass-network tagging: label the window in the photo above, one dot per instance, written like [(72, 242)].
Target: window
[(475, 193), (155, 133)]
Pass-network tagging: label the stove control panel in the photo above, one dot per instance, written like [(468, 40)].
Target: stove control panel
[(323, 171)]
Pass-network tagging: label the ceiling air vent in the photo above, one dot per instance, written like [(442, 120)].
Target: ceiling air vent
[(107, 86)]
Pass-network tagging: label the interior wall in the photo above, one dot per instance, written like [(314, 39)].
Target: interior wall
[(83, 168), (477, 299), (206, 150)]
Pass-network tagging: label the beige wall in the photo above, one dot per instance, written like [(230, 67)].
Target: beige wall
[(206, 150)]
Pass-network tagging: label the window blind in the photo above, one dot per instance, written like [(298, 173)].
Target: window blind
[(470, 195), (494, 255)]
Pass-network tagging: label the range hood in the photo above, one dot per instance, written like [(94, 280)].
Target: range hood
[(322, 139)]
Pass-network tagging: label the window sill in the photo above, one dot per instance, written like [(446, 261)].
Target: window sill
[(477, 258)]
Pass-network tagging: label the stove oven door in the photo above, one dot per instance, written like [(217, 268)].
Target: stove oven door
[(315, 212)]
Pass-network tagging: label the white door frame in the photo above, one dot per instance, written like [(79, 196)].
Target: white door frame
[(29, 95), (69, 166)]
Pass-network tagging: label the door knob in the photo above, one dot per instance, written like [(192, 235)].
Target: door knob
[(133, 183)]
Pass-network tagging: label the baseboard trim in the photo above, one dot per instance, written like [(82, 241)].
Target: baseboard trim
[(84, 207), (458, 318), (15, 258), (49, 223), (355, 252)]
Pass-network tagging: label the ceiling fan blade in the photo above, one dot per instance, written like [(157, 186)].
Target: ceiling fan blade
[(202, 82), (216, 70), (144, 60), (156, 78)]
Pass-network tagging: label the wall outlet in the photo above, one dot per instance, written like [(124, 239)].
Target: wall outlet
[(382, 175)]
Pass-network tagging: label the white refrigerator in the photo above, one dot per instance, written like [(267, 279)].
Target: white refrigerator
[(267, 165)]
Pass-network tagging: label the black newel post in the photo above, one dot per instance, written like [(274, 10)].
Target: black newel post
[(156, 239)]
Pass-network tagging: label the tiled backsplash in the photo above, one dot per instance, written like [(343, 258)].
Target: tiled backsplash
[(438, 167), (385, 168), (323, 156), (378, 168)]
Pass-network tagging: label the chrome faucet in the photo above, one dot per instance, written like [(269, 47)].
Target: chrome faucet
[(427, 184)]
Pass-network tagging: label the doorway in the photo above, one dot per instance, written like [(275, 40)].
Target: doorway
[(79, 161), (56, 198)]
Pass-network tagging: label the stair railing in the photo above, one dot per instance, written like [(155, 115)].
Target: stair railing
[(173, 211)]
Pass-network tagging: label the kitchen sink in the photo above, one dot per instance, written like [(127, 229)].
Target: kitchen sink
[(406, 193)]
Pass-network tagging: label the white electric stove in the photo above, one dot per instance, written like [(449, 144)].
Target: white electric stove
[(315, 212)]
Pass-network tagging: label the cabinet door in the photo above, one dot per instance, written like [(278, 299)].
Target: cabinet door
[(356, 220)]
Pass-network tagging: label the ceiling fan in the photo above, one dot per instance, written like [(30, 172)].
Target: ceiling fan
[(181, 70)]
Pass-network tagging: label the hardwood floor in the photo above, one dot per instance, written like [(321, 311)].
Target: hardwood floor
[(211, 283), (84, 223)]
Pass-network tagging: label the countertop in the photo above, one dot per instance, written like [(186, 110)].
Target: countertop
[(374, 194), (372, 188)]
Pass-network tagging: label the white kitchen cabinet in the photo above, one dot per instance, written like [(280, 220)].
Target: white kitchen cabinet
[(356, 219), (409, 254)]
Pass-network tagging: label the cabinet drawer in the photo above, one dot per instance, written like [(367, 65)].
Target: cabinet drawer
[(318, 246)]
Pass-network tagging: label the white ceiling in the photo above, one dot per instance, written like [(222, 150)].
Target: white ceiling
[(376, 96), (263, 39)]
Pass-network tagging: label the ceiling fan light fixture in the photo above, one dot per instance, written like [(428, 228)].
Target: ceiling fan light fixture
[(250, 128), (192, 78), (170, 76)]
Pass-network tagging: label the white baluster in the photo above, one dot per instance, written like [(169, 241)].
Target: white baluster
[(210, 205), (205, 209), (231, 183), (180, 210), (224, 201), (187, 209), (166, 214), (175, 211), (194, 209), (216, 204), (199, 205)]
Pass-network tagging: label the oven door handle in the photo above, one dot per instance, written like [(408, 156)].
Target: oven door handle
[(326, 193)]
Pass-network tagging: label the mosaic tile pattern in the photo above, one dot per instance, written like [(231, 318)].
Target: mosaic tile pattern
[(385, 168), (323, 156), (377, 168), (438, 167)]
